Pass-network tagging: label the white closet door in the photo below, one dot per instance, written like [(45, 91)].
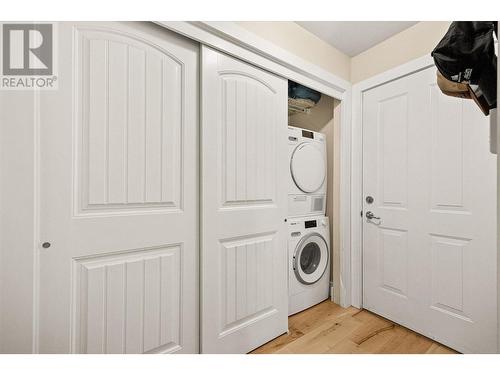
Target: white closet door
[(118, 180), (244, 170), (430, 261)]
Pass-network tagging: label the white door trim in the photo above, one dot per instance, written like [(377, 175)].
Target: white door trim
[(358, 89), (236, 41)]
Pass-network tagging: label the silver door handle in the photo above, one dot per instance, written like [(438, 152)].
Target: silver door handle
[(370, 215)]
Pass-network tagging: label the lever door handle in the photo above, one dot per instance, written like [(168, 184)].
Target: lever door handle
[(370, 215)]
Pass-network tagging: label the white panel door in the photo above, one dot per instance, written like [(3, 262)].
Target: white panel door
[(429, 262), (244, 167), (118, 182)]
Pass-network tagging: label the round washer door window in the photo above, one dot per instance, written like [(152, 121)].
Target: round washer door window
[(307, 166), (310, 259)]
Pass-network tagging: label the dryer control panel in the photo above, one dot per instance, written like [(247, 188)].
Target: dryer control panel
[(298, 135)]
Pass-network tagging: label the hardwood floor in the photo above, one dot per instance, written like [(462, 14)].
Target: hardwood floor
[(329, 328)]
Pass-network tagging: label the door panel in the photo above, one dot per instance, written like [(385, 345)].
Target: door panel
[(430, 261), (119, 193), (387, 253), (125, 81), (393, 258), (244, 279), (128, 303), (461, 225)]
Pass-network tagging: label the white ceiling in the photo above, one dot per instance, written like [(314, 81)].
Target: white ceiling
[(354, 37)]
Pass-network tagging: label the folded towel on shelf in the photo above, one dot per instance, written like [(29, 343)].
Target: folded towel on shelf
[(298, 91)]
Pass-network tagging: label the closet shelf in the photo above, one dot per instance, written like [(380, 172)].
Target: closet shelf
[(300, 106)]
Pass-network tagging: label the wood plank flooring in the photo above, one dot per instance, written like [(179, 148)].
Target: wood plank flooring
[(329, 328)]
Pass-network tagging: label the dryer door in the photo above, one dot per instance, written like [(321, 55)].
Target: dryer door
[(307, 166), (310, 259)]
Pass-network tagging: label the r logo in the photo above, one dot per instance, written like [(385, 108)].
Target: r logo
[(27, 49)]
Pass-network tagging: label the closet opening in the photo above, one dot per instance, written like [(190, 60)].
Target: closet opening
[(313, 119)]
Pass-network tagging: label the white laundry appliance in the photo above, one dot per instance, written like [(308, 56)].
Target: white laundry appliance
[(309, 262), (307, 178)]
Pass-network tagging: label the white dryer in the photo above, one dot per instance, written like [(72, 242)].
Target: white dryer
[(309, 262), (307, 178)]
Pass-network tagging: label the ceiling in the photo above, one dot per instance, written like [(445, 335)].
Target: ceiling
[(354, 37)]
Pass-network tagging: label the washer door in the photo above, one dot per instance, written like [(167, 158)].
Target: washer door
[(307, 166), (310, 259)]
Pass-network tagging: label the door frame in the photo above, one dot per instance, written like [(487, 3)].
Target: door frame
[(358, 89), (236, 41)]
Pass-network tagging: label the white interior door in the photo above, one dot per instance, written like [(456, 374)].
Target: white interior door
[(244, 166), (118, 181), (430, 260)]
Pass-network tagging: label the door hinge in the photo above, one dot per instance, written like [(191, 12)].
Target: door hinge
[(361, 213)]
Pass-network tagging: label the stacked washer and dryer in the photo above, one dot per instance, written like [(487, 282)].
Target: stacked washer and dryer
[(308, 241)]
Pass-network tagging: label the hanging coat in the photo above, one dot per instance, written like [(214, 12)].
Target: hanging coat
[(466, 55)]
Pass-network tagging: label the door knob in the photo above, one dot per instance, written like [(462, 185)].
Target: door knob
[(370, 215)]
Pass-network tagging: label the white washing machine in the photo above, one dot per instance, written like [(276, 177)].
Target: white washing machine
[(307, 178), (309, 262)]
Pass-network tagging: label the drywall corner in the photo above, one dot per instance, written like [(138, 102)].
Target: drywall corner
[(414, 42), (302, 43)]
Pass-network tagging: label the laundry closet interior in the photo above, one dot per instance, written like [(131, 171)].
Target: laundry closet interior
[(188, 186), (323, 117)]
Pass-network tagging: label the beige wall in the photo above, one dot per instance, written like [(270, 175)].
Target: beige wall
[(297, 40), (405, 46), (409, 44)]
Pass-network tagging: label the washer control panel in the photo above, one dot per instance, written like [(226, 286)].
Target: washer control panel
[(310, 224)]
